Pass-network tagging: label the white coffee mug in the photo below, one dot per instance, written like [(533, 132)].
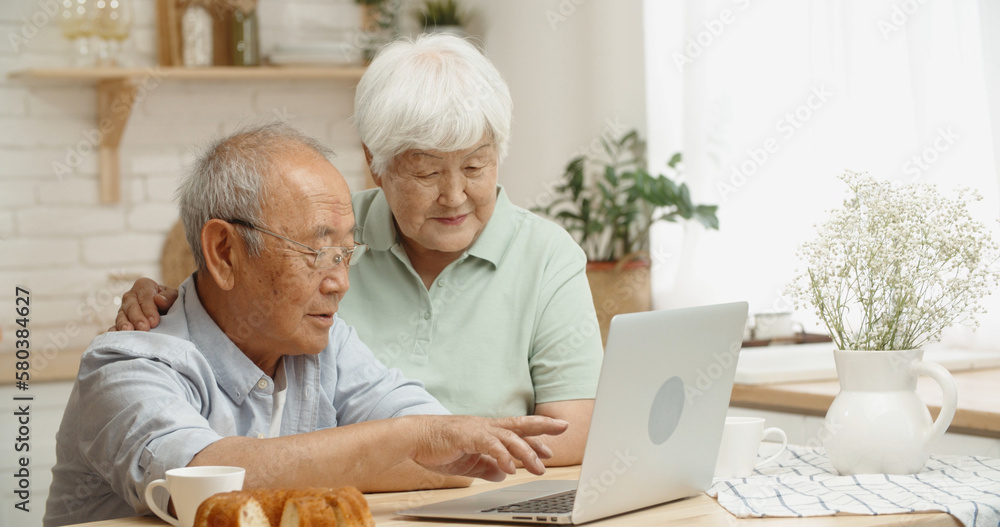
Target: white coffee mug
[(189, 486), (769, 326), (740, 442)]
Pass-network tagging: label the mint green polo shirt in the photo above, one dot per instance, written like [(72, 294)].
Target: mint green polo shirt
[(508, 325)]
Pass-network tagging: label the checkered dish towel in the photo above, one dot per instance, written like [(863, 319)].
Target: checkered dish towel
[(802, 482)]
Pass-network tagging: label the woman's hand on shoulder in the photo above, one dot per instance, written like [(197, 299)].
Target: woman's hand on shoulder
[(143, 304)]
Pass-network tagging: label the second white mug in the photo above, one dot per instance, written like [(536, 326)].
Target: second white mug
[(189, 486), (741, 439)]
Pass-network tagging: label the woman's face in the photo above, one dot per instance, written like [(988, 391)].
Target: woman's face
[(442, 200)]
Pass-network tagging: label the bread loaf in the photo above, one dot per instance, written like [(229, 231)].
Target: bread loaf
[(307, 512), (231, 509), (306, 507)]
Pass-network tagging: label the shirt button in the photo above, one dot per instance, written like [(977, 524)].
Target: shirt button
[(260, 436), (440, 283), (427, 315), (262, 384)]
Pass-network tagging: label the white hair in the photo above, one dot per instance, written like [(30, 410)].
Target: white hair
[(438, 92), (227, 180)]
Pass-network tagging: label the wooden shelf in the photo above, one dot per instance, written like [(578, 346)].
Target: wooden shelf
[(178, 73), (117, 88)]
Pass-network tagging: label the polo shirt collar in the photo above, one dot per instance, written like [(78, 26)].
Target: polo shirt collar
[(492, 243), (235, 373), (379, 232)]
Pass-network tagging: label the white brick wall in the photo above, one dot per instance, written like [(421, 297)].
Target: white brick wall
[(6, 225), (150, 217), (55, 238), (25, 253), (68, 221), (74, 190), (119, 249)]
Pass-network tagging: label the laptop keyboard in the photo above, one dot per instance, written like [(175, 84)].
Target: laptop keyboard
[(554, 504)]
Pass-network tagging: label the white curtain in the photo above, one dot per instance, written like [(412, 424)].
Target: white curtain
[(770, 100)]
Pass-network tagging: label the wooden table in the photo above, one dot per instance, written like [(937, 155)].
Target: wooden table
[(699, 510)]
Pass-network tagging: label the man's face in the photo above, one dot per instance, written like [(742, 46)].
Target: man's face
[(441, 201), (307, 201)]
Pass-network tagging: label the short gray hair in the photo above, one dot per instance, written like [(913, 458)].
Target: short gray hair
[(227, 180), (436, 92)]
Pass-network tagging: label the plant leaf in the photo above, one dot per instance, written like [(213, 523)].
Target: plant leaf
[(705, 214)]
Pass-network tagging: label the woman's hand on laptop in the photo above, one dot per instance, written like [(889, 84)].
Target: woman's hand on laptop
[(143, 304), (484, 448)]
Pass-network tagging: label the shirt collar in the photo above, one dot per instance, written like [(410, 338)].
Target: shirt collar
[(379, 232), (235, 373), (492, 243)]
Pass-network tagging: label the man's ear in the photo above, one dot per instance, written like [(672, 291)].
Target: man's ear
[(377, 178), (223, 249)]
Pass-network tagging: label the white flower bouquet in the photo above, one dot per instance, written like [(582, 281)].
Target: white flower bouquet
[(896, 265)]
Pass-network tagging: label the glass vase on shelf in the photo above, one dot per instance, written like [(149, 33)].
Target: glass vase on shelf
[(196, 34), (113, 24), (245, 45), (76, 20)]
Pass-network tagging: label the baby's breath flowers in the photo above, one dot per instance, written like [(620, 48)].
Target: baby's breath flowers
[(896, 265)]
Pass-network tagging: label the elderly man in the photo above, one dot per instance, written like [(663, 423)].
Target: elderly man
[(253, 368)]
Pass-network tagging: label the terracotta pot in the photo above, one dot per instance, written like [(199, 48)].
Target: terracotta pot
[(618, 287)]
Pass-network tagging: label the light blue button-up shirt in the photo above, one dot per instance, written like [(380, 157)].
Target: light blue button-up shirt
[(144, 403)]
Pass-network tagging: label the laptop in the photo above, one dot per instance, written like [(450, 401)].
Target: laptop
[(655, 432)]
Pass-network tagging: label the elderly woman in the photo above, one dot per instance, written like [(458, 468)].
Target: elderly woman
[(484, 302)]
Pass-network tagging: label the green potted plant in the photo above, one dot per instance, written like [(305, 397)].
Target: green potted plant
[(608, 203), (443, 16)]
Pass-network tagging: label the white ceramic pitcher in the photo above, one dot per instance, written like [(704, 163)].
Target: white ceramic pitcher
[(877, 424)]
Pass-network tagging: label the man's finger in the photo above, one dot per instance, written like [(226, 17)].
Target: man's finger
[(164, 299), (133, 312), (519, 449), (539, 447), (486, 468), (532, 425), (121, 323), (145, 289), (493, 445)]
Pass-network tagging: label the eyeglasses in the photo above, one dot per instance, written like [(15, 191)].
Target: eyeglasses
[(326, 257)]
